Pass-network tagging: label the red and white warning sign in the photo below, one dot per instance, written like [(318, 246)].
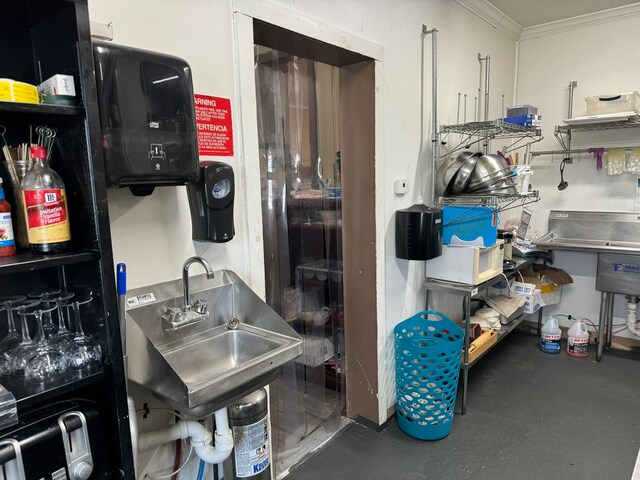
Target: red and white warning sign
[(213, 121)]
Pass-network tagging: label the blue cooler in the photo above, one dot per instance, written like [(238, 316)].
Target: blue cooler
[(468, 223)]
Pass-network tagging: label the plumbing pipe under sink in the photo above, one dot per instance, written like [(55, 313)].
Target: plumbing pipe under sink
[(200, 438)]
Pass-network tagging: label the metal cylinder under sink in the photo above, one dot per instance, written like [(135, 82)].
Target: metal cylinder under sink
[(249, 421)]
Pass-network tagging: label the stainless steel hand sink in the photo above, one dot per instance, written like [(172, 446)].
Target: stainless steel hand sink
[(204, 366)]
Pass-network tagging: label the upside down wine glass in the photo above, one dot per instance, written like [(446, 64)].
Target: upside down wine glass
[(12, 339), (47, 363), (20, 355), (86, 353), (62, 338), (48, 327)]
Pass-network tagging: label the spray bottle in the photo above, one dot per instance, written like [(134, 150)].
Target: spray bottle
[(578, 343), (550, 336)]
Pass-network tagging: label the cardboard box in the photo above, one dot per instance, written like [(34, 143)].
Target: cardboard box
[(520, 110), (531, 294), (549, 281), (525, 120), (58, 85)]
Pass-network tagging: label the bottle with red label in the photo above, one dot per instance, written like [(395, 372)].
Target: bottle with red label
[(45, 202), (7, 242)]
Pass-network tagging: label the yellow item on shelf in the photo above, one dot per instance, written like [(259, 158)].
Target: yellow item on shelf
[(12, 91), (481, 344)]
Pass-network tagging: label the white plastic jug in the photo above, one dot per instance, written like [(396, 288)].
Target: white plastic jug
[(578, 342), (550, 336)]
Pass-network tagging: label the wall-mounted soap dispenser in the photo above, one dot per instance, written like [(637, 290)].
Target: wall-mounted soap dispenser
[(211, 203), (147, 115)]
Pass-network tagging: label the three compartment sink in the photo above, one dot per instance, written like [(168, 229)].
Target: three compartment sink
[(204, 366), (600, 232)]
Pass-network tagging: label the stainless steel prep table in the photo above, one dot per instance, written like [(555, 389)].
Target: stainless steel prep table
[(468, 292)]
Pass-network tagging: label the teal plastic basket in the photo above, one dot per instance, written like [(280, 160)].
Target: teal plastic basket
[(428, 355)]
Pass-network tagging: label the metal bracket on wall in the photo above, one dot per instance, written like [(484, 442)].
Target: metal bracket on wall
[(434, 103)]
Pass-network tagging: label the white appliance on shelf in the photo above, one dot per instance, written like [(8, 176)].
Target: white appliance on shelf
[(468, 265)]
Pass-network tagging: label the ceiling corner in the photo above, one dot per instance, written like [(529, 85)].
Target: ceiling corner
[(581, 21), (493, 16)]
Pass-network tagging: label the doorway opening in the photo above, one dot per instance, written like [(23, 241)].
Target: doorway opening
[(315, 110)]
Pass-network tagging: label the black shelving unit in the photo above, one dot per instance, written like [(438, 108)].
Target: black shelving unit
[(41, 38), (28, 262), (40, 109), (34, 395)]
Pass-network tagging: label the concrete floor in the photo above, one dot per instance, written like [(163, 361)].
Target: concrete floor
[(530, 416)]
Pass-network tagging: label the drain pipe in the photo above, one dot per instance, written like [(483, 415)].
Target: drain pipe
[(632, 315), (200, 438)]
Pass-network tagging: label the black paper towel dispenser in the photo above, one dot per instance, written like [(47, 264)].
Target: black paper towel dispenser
[(147, 115), (419, 232)]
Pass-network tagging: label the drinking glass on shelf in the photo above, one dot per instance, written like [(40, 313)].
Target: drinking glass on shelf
[(49, 328), (63, 338), (12, 338), (42, 292), (86, 353), (20, 355), (46, 363)]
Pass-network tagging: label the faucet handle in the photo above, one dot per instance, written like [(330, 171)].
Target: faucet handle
[(201, 307), (173, 317)]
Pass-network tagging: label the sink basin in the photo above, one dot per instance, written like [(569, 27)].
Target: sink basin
[(206, 365), (600, 232)]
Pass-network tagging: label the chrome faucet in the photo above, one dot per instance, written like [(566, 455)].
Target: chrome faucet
[(185, 277), (176, 317)]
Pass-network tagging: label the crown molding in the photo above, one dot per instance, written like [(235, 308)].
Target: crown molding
[(493, 16), (581, 21)]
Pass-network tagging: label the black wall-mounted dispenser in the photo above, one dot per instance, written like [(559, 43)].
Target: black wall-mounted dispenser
[(211, 203), (419, 232), (147, 114)]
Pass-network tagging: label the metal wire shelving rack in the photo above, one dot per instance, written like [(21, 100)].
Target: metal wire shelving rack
[(501, 203), (633, 122), (489, 130), (563, 133), (492, 129), (484, 132)]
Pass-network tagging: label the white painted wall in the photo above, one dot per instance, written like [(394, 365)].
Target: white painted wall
[(602, 59), (152, 235)]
